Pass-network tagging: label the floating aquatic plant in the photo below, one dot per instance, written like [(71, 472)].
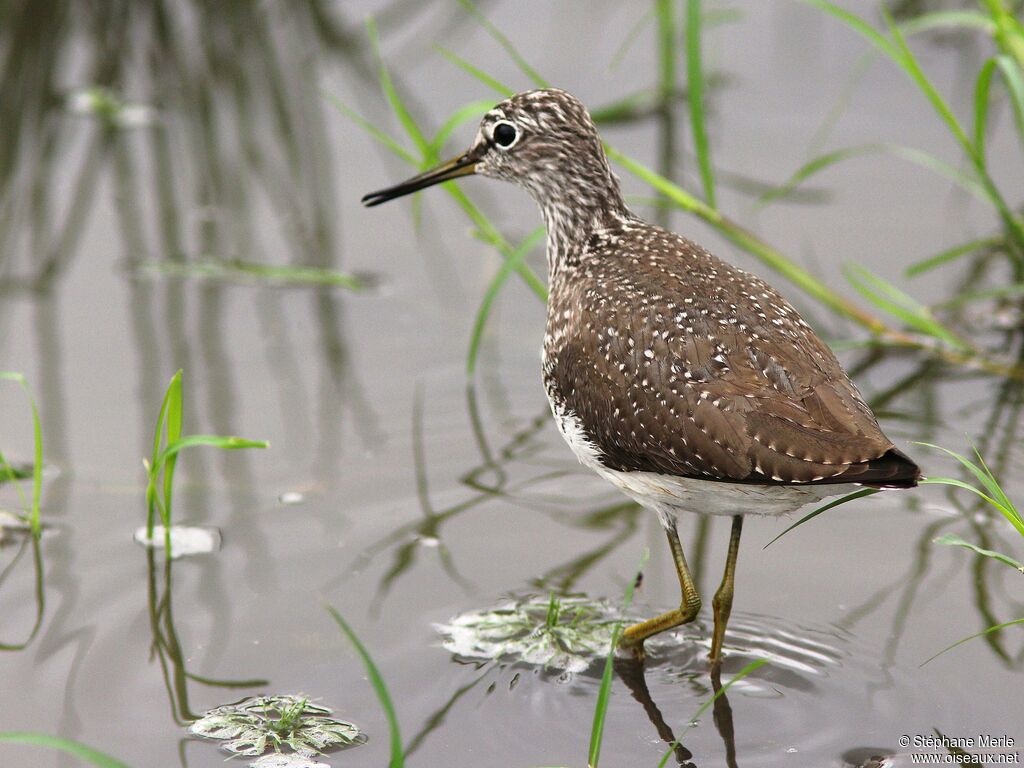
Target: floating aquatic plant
[(566, 633), (261, 724)]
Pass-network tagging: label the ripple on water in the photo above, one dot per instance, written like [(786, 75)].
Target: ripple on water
[(823, 692), (821, 696)]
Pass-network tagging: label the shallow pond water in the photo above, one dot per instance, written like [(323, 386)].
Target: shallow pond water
[(396, 488)]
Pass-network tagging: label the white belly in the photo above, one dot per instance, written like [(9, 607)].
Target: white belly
[(668, 494)]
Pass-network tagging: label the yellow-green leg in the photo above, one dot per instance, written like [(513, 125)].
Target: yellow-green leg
[(634, 636), (722, 602)]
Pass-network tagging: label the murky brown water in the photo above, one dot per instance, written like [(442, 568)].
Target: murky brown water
[(425, 494)]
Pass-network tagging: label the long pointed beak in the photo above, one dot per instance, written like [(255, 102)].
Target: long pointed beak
[(463, 165)]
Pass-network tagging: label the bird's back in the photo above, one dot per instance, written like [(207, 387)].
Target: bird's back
[(672, 361)]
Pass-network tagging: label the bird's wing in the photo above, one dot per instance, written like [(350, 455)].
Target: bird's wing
[(685, 379)]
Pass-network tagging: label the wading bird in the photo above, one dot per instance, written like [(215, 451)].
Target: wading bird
[(691, 385)]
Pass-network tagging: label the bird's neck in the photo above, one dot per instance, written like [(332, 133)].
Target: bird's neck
[(581, 205)]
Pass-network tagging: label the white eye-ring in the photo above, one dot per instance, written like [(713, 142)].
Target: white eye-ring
[(505, 135)]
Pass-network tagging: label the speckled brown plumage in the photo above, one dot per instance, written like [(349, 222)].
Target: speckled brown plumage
[(678, 363)]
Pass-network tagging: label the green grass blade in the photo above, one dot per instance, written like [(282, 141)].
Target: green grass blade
[(484, 310), (955, 483), (993, 484), (605, 691), (818, 164), (951, 539), (394, 100), (996, 495), (982, 86), (239, 270), (928, 22), (825, 508), (534, 76), (631, 37), (704, 707), (73, 748), (462, 115), (757, 663), (858, 24), (899, 52), (373, 130), (905, 58), (951, 254), (213, 441), (695, 85), (37, 455), (379, 687), (1014, 81), (891, 299), (490, 234), (958, 643), (172, 424), (749, 242), (475, 72)]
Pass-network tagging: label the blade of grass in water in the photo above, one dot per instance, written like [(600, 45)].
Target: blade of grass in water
[(73, 748), (482, 223), (484, 310), (825, 508), (534, 76), (388, 87), (827, 160), (951, 539), (239, 270), (37, 456), (982, 86), (476, 109), (891, 299), (695, 84), (475, 72), (958, 643), (951, 254), (604, 693), (750, 243), (897, 50), (1014, 80), (379, 687), (167, 444), (993, 492), (757, 663)]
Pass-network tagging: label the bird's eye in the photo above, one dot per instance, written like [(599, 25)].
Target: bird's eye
[(505, 135)]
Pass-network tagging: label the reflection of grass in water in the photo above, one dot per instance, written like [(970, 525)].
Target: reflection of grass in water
[(237, 270), (168, 442)]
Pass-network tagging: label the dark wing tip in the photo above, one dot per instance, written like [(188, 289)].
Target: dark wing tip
[(893, 469)]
